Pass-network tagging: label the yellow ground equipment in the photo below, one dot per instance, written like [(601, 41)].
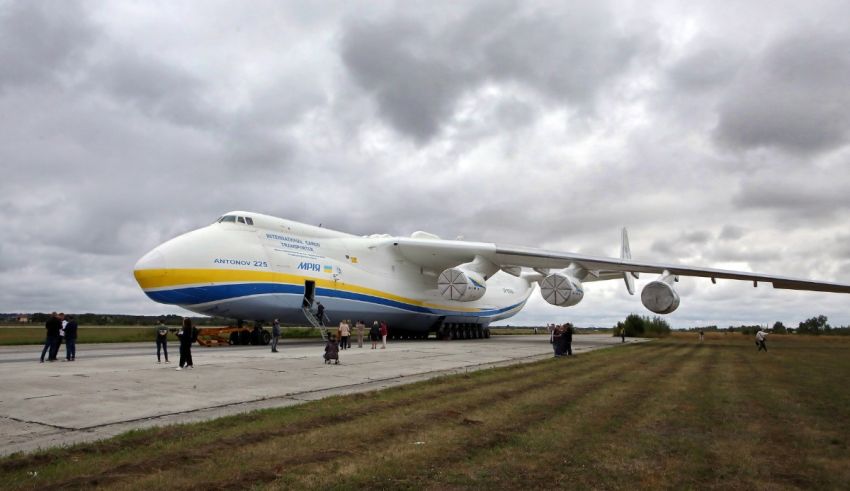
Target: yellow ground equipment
[(229, 335)]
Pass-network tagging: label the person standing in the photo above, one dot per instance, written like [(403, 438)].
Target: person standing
[(161, 341), (375, 334), (185, 335), (568, 339), (71, 339), (623, 334), (701, 335), (361, 327), (557, 343), (761, 338), (350, 334), (551, 329), (53, 325), (275, 335), (384, 331), (57, 341), (339, 331), (320, 313), (344, 334)]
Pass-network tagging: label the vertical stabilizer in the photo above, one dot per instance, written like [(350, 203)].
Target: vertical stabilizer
[(626, 253)]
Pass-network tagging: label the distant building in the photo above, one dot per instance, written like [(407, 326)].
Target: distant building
[(23, 319)]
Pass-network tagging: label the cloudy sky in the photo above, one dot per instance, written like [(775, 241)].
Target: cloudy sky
[(719, 134)]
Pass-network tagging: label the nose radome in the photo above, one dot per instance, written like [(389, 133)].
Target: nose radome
[(151, 266), (152, 260)]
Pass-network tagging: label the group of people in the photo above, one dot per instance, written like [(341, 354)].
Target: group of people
[(60, 327), (187, 334), (342, 339), (561, 338)]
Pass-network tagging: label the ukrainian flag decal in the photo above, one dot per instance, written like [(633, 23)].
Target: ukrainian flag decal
[(328, 269)]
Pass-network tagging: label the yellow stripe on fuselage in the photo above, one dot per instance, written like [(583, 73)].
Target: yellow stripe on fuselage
[(187, 278)]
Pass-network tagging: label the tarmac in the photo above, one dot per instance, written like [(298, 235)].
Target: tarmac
[(114, 388)]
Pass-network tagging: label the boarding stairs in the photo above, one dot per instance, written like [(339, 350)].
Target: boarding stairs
[(314, 321)]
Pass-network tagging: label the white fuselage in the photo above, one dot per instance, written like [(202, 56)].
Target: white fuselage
[(263, 270)]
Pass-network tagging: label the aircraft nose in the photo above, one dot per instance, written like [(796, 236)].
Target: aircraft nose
[(150, 267)]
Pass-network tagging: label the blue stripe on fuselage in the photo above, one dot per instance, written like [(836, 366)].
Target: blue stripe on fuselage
[(215, 293)]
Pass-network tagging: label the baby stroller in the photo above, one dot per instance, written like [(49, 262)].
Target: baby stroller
[(332, 351)]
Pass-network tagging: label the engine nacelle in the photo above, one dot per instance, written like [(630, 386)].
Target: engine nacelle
[(461, 284), (561, 289), (660, 297)]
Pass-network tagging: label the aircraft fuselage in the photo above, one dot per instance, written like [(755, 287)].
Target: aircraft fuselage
[(258, 267)]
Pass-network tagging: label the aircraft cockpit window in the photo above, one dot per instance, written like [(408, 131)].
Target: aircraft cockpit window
[(249, 220), (241, 220), (228, 218)]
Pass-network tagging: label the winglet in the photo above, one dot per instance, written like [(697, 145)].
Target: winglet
[(626, 253)]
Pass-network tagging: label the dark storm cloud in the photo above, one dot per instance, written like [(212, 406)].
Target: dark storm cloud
[(417, 71), (415, 91), (709, 66), (38, 40), (792, 96), (155, 88), (532, 124), (802, 193), (732, 232)]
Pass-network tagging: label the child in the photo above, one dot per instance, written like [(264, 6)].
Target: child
[(332, 350)]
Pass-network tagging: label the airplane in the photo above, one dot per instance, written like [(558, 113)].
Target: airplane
[(251, 266)]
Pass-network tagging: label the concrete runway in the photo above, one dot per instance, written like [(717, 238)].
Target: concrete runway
[(113, 388)]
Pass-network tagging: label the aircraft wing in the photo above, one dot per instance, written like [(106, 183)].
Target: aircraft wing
[(441, 254), (526, 256)]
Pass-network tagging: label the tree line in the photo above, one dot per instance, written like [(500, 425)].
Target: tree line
[(642, 326), (814, 326), (131, 320)]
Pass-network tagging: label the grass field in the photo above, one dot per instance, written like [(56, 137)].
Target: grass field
[(671, 413), (112, 334), (94, 334)]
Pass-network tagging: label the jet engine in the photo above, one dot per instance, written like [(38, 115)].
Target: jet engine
[(461, 284), (659, 296), (561, 289)]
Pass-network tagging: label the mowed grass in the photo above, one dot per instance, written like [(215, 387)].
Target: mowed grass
[(113, 334), (672, 413), (85, 334)]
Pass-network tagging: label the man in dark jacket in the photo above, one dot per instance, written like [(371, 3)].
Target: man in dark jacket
[(57, 340), (53, 325), (71, 339), (186, 335), (375, 334), (567, 337)]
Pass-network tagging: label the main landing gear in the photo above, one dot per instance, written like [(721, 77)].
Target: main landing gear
[(463, 331)]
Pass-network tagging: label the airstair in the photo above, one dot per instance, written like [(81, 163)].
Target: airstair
[(314, 321)]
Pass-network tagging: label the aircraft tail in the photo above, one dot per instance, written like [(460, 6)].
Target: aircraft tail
[(626, 253)]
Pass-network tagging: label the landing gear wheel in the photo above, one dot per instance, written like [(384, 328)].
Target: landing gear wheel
[(266, 337), (234, 338), (487, 333)]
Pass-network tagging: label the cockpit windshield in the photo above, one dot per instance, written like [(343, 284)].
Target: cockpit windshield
[(235, 219)]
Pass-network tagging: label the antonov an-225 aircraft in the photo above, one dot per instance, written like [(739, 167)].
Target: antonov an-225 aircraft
[(250, 266)]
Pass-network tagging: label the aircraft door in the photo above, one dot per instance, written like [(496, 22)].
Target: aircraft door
[(309, 293)]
